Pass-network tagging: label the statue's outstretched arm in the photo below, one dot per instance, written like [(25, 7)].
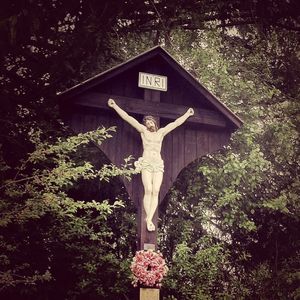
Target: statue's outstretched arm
[(124, 115), (171, 126)]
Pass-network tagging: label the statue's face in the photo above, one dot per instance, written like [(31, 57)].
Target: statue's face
[(151, 126)]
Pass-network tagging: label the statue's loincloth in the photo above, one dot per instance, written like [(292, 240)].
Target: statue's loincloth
[(152, 166)]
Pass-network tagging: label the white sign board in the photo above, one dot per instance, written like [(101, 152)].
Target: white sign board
[(152, 81)]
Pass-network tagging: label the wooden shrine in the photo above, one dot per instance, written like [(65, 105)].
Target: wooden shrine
[(152, 83)]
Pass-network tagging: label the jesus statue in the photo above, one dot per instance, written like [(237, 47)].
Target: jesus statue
[(150, 164)]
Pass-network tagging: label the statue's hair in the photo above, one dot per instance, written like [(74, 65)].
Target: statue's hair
[(151, 118)]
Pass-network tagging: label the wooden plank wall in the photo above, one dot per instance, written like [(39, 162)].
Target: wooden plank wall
[(180, 147)]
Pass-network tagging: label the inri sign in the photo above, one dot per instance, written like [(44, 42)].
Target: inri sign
[(154, 82)]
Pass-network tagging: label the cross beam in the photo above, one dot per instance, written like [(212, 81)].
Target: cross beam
[(160, 109)]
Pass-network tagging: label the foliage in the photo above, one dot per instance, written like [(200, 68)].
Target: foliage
[(43, 227), (186, 263), (245, 197)]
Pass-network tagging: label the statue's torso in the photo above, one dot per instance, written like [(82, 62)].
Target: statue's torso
[(152, 142)]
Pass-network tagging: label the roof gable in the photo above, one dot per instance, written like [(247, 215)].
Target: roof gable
[(156, 52)]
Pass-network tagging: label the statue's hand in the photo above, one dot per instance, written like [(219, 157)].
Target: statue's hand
[(111, 103), (191, 111)]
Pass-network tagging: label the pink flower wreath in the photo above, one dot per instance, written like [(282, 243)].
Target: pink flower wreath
[(148, 268)]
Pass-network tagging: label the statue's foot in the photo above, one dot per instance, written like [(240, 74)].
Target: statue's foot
[(150, 226)]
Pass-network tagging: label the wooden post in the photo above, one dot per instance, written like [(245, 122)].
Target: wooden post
[(147, 239), (149, 294)]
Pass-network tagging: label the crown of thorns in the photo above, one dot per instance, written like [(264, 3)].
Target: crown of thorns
[(150, 118)]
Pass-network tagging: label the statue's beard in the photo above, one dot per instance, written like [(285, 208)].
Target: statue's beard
[(152, 128)]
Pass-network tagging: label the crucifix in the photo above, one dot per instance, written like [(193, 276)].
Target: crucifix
[(150, 164), (152, 83)]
